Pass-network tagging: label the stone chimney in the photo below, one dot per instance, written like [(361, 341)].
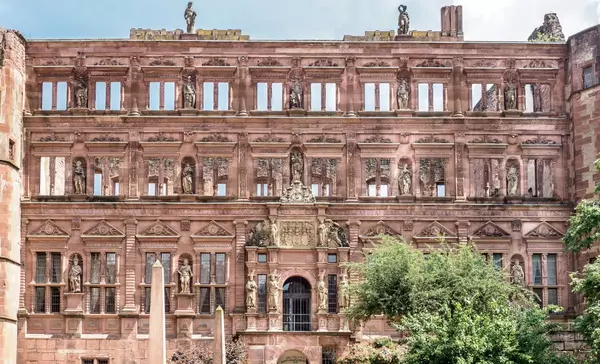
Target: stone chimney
[(452, 21)]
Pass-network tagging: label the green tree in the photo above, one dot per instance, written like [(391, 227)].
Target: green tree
[(454, 306), (235, 353), (583, 232)]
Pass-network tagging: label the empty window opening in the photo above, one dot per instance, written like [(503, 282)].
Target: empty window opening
[(423, 94), (438, 97), (223, 96), (588, 77), (100, 95), (315, 97), (154, 94)]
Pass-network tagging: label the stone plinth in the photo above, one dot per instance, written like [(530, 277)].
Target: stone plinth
[(322, 321), (78, 197), (157, 346), (79, 111), (74, 303), (251, 321), (188, 198), (274, 321), (404, 112), (185, 305), (296, 112), (188, 112)]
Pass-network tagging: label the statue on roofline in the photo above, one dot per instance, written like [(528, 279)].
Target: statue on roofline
[(403, 20), (190, 17)]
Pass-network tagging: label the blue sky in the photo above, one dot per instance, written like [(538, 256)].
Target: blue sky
[(501, 20)]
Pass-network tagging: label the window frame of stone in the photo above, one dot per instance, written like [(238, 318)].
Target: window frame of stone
[(433, 150), (217, 180), (53, 288), (323, 93), (259, 257), (218, 289), (326, 184), (261, 293), (95, 361), (328, 355), (590, 80), (108, 80), (332, 294), (170, 184), (548, 277), (170, 285), (378, 76), (215, 75), (270, 96), (377, 96), (492, 257), (54, 80), (273, 184), (430, 76), (378, 180), (329, 260), (104, 165), (103, 284), (52, 176)]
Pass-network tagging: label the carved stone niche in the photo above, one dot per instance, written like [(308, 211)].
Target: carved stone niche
[(185, 295), (188, 178), (486, 156), (74, 296)]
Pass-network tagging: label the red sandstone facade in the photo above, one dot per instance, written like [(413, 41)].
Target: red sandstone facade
[(136, 169)]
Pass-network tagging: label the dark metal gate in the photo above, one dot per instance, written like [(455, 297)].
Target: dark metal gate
[(296, 305)]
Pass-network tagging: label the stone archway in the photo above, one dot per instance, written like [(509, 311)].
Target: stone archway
[(292, 357)]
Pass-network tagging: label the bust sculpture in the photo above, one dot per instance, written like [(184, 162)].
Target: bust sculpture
[(185, 274), (190, 17), (251, 289), (75, 276), (79, 178)]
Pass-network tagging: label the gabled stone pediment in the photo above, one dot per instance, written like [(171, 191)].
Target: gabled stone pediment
[(544, 231), (158, 231), (434, 231), (103, 231), (381, 228), (213, 230), (49, 231), (490, 230)]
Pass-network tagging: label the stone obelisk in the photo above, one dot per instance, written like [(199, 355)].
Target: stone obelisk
[(219, 339), (157, 347)]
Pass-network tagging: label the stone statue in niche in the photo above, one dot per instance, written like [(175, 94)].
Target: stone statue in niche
[(322, 290), (517, 275), (190, 17), (323, 233), (275, 237), (251, 289), (403, 20), (405, 181), (274, 292), (402, 94), (297, 165), (81, 94), (185, 274), (75, 276), (189, 93), (510, 97), (79, 178), (296, 95), (512, 179), (187, 178), (344, 298)]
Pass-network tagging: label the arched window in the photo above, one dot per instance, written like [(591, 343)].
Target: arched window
[(296, 304)]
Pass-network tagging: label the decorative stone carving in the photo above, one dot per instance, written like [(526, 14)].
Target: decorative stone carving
[(108, 62), (323, 62), (377, 139), (274, 292), (297, 234), (486, 139), (185, 225), (431, 172), (433, 63), (403, 94), (81, 93), (269, 62), (405, 180), (537, 63), (162, 61), (549, 31), (260, 234), (251, 290), (516, 225), (432, 139), (376, 63), (190, 17), (106, 138), (159, 229), (512, 178), (52, 138), (539, 140), (323, 139), (331, 234), (490, 230), (78, 178), (296, 165), (213, 229), (189, 93), (297, 193), (187, 179), (275, 237), (161, 137), (185, 275), (517, 275), (381, 228), (269, 139), (49, 228), (215, 138), (216, 62), (403, 20), (296, 95), (435, 230), (104, 229), (510, 96), (408, 225), (75, 273), (544, 230), (322, 291)]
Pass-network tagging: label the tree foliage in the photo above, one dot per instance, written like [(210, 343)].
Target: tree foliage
[(235, 353), (380, 351), (454, 306), (583, 232)]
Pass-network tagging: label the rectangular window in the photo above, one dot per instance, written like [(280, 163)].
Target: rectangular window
[(154, 95), (330, 97), (262, 258), (151, 189), (423, 95), (97, 184), (220, 297), (55, 300), (150, 259), (204, 300), (44, 176), (11, 150), (61, 96), (497, 257), (40, 299), (116, 188), (208, 95), (529, 105), (331, 258), (552, 277), (553, 296), (383, 190), (87, 361), (440, 189), (220, 268), (46, 95), (277, 96), (95, 268), (438, 97), (384, 96), (111, 268), (369, 96), (167, 299), (205, 268), (328, 356), (476, 99), (169, 96), (536, 266), (115, 95), (110, 300), (94, 300), (315, 97), (332, 299), (262, 96), (147, 294), (40, 267), (100, 95), (165, 260), (262, 189), (56, 268), (223, 90), (262, 293), (221, 189), (588, 77)]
